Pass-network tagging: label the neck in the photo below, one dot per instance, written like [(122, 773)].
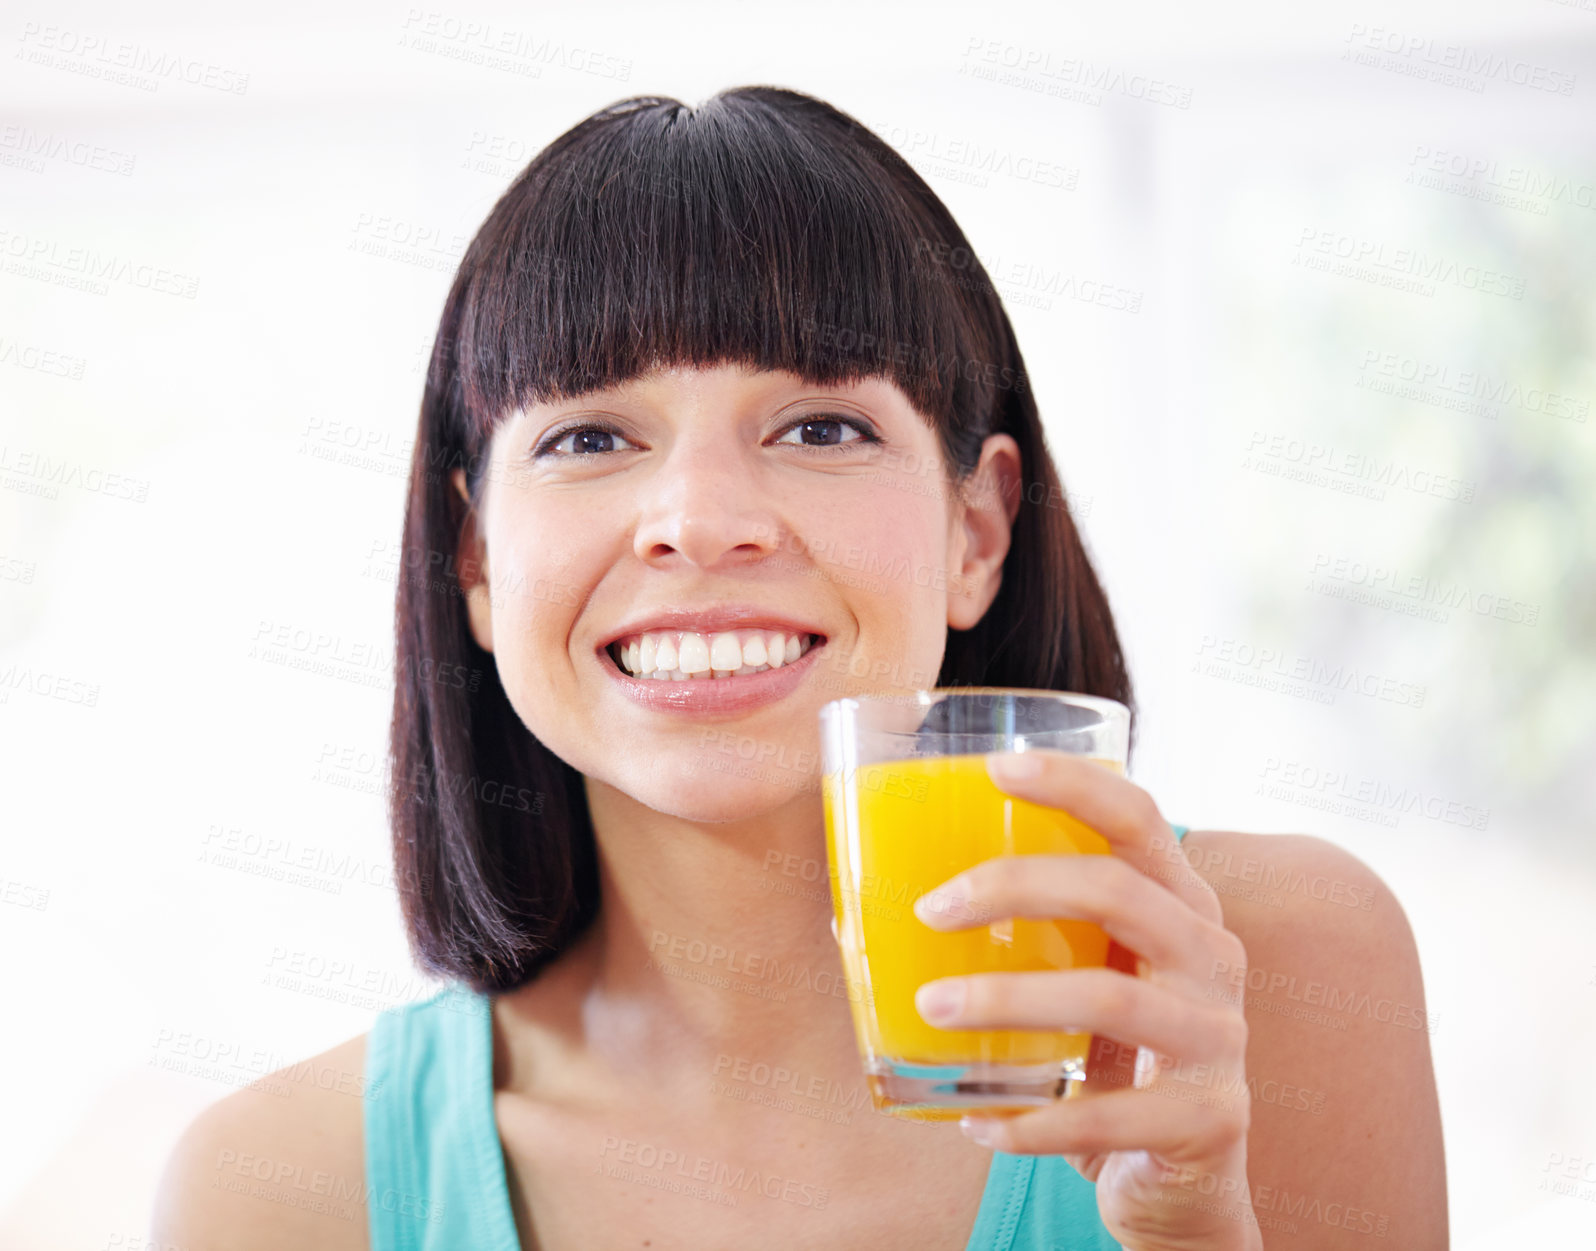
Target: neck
[(713, 941)]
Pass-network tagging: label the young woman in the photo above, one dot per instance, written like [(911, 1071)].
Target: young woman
[(724, 421)]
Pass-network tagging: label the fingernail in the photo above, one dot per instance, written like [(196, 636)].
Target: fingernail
[(1013, 766), (979, 1129), (940, 1001), (946, 902)]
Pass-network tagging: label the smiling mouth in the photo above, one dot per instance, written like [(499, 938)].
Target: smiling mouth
[(684, 655)]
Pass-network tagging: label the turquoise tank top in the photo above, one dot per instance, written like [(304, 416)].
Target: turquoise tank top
[(435, 1175)]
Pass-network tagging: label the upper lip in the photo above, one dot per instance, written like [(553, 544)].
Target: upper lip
[(711, 621)]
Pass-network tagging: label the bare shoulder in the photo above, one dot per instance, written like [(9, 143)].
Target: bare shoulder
[(280, 1162), (1345, 1116), (1302, 903), (1267, 868), (1321, 930)]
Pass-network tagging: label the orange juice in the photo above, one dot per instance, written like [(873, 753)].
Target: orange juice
[(898, 829)]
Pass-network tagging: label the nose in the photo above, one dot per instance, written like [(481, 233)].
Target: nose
[(705, 505)]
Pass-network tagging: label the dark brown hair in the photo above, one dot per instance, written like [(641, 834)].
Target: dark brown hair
[(763, 227)]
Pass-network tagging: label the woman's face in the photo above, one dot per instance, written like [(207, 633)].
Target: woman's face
[(746, 503)]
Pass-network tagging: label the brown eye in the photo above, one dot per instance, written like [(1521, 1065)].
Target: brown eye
[(829, 432), (588, 441)]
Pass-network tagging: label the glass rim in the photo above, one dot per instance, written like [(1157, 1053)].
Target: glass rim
[(1111, 709)]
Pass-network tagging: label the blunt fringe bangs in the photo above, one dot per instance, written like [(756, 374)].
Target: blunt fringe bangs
[(763, 227)]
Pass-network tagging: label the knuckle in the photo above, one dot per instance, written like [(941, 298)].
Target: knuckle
[(1147, 813), (987, 997), (1007, 875), (1212, 908), (1233, 1032), (1117, 886), (1233, 1118), (1226, 947), (1117, 997), (1235, 950)]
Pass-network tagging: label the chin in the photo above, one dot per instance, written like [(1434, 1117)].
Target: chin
[(727, 791)]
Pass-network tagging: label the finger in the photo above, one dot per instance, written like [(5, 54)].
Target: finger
[(1126, 1120), (1122, 812), (1131, 908), (1099, 1001)]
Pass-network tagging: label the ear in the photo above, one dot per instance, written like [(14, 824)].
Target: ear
[(988, 505), (471, 568)]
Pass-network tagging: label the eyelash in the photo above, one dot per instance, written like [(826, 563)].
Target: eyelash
[(866, 433)]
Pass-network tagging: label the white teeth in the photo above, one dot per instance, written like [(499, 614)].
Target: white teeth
[(693, 655), (678, 655), (724, 652)]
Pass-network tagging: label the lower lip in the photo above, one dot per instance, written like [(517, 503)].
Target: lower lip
[(712, 695)]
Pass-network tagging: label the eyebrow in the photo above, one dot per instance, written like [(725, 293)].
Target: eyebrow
[(788, 381)]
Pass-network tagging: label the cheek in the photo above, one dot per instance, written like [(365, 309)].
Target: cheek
[(888, 554), (896, 531), (537, 577)]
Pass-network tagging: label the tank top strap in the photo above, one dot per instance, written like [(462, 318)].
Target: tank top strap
[(1038, 1203), (1180, 831), (435, 1175)]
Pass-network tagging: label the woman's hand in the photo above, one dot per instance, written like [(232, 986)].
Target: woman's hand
[(1169, 1156)]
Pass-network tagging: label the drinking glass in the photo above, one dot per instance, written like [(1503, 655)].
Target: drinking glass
[(908, 804)]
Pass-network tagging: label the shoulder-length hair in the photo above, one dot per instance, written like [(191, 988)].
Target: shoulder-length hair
[(763, 227)]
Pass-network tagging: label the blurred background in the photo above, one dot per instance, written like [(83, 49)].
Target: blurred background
[(1308, 297)]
